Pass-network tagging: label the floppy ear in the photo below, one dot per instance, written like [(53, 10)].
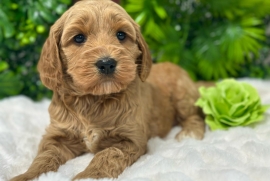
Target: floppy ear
[(145, 60), (49, 65)]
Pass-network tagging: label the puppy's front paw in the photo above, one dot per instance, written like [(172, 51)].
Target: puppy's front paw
[(96, 174), (79, 176), (188, 133), (22, 177)]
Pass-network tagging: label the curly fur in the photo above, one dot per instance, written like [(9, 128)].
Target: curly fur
[(111, 116)]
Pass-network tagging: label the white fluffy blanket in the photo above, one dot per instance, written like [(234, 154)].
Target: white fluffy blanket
[(239, 154)]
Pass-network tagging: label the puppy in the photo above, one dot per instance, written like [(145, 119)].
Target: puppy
[(107, 99)]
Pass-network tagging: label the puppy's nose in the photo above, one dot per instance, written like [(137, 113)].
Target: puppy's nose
[(106, 65)]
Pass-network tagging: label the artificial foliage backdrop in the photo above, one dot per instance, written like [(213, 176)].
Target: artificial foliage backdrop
[(23, 30), (211, 39)]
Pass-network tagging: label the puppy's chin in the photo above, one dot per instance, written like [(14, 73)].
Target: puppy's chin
[(108, 87), (101, 85)]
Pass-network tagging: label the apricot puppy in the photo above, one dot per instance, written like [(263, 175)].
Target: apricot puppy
[(107, 100)]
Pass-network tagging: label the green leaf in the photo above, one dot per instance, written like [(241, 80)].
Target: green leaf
[(140, 19), (49, 3), (8, 29), (9, 84), (255, 33), (151, 27), (45, 13), (67, 2), (251, 21), (160, 12), (1, 35), (60, 9), (133, 8), (215, 124), (3, 66)]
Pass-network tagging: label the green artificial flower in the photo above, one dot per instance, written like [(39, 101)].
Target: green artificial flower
[(231, 104)]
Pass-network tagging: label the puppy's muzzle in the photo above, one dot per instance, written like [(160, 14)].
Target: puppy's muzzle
[(106, 66)]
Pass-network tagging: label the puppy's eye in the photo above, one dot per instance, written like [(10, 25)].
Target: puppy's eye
[(121, 35), (80, 38)]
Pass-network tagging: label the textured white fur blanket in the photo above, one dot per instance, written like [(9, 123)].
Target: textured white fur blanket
[(239, 154)]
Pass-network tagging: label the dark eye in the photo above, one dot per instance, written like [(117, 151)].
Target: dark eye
[(80, 38), (121, 35)]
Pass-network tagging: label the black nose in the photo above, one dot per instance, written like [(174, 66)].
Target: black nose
[(106, 65)]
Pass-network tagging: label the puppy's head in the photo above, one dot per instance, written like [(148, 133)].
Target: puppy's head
[(94, 48)]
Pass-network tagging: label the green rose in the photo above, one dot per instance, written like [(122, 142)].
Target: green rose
[(230, 104)]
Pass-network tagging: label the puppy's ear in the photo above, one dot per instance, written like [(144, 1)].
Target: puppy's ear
[(49, 65), (145, 60)]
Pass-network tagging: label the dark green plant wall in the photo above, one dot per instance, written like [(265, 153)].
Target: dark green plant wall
[(212, 39), (24, 26)]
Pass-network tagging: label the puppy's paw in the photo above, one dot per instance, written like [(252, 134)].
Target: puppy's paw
[(95, 174), (188, 133), (79, 176), (22, 177)]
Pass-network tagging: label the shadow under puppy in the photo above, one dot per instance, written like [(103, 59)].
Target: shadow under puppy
[(107, 99)]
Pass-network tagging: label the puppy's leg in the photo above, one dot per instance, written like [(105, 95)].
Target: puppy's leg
[(193, 127), (112, 161), (190, 117), (56, 147)]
